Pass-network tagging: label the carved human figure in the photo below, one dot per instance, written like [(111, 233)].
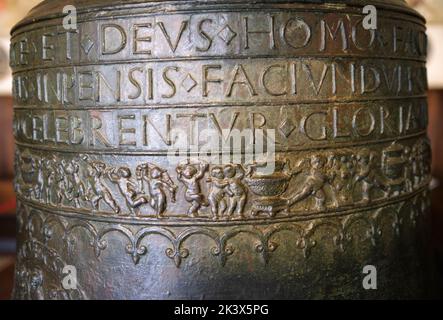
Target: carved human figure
[(314, 184), (128, 188), (97, 189), (190, 175), (217, 193), (159, 182), (342, 180), (40, 187), (43, 181), (51, 180), (367, 175), (60, 182), (235, 189), (29, 174), (65, 188), (75, 189), (333, 166)]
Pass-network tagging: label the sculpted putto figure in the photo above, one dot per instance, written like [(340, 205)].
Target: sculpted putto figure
[(367, 175), (158, 181), (60, 181), (216, 195), (190, 175), (235, 189), (128, 188), (314, 184), (97, 189), (49, 176), (341, 178), (40, 185), (75, 190)]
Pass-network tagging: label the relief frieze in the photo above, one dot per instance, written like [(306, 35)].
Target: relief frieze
[(312, 182)]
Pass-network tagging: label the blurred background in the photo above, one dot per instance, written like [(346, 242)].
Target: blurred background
[(12, 11)]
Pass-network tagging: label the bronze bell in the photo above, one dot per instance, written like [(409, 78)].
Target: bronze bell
[(117, 104)]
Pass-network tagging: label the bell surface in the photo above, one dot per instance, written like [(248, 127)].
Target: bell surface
[(221, 150)]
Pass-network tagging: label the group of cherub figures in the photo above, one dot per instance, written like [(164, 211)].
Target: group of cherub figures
[(60, 182), (328, 178), (57, 182), (227, 193), (347, 178)]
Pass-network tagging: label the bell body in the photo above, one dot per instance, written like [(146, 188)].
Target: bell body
[(117, 104)]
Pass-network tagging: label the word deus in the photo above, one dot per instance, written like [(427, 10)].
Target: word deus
[(219, 82), (164, 130)]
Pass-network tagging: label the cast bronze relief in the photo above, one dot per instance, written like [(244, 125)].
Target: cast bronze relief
[(101, 112)]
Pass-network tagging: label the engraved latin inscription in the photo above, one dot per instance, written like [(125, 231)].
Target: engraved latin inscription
[(159, 129), (239, 82), (235, 34)]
